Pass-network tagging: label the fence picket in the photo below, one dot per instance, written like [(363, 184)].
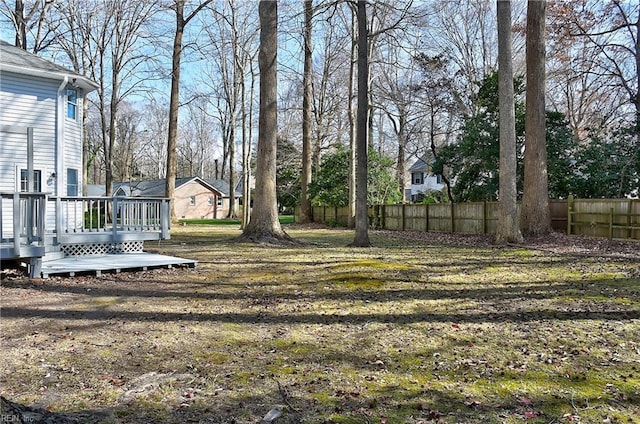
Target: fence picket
[(582, 216)]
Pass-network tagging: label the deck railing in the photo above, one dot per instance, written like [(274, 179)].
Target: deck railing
[(111, 219), (34, 223), (22, 224)]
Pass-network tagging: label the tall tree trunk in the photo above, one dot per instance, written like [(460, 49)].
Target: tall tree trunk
[(402, 152), (264, 226), (245, 147), (21, 25), (536, 216), (174, 100), (508, 230), (232, 159), (306, 214), (174, 104), (362, 222), (352, 127)]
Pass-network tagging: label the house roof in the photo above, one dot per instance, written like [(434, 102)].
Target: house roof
[(419, 165), (223, 187), (19, 61), (156, 188), (95, 190)]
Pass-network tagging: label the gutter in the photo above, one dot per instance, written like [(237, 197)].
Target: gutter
[(83, 82), (59, 145)]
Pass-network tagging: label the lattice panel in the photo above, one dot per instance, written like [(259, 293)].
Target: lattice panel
[(85, 249), (102, 248), (127, 247)]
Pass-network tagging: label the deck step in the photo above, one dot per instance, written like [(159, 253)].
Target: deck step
[(96, 264), (53, 256)]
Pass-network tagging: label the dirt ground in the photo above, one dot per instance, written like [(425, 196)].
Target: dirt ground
[(419, 328)]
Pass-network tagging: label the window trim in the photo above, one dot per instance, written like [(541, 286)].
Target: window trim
[(23, 181), (72, 103), (77, 182)]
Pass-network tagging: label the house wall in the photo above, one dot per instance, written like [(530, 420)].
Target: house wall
[(430, 183), (201, 209), (72, 150), (28, 101)]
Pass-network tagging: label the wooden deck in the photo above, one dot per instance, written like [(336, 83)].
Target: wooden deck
[(97, 264)]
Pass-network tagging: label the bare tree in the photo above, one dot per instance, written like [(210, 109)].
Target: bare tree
[(76, 22), (536, 216), (508, 229), (264, 226), (120, 45), (30, 19), (231, 45), (154, 139), (247, 131), (174, 102), (362, 221), (306, 212)]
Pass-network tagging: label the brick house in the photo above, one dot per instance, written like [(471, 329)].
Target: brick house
[(194, 198)]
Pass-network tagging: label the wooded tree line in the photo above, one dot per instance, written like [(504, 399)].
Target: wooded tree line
[(431, 89)]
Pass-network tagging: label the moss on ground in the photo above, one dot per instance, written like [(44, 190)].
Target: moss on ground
[(408, 331)]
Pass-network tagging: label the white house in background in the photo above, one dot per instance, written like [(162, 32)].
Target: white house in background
[(423, 180), (42, 216)]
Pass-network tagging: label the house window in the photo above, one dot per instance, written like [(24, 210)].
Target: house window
[(210, 201), (24, 183), (192, 200), (418, 178), (72, 182), (439, 178), (219, 203), (72, 103)]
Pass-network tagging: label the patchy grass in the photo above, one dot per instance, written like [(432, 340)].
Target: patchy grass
[(408, 331), (284, 220)]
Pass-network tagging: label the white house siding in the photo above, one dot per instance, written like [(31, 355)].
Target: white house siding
[(73, 145), (27, 103), (30, 102), (430, 184)]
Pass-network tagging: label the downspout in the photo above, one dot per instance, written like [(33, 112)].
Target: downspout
[(59, 149), (59, 154)]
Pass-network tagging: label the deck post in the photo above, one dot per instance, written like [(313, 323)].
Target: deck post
[(35, 267), (16, 224), (114, 220), (164, 219), (59, 217)]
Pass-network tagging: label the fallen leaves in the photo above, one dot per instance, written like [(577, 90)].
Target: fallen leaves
[(455, 333)]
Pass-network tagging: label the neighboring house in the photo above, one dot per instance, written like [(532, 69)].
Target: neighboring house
[(41, 166), (194, 198), (423, 181)]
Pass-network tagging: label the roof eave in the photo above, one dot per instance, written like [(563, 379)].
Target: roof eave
[(82, 82)]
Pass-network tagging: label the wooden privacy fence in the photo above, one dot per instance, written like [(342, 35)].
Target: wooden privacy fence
[(613, 218)]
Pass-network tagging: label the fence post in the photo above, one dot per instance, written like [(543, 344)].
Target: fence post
[(484, 217), (404, 212), (384, 217), (569, 213), (629, 212), (453, 218), (610, 223), (426, 214)]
